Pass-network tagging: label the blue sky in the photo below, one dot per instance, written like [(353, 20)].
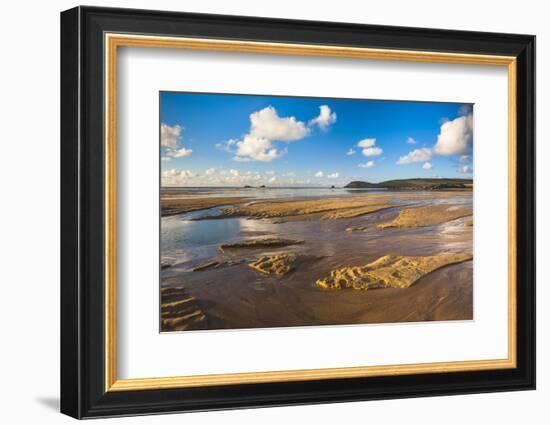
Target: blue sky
[(232, 140)]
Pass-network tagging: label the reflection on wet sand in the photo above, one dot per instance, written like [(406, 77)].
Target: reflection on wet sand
[(258, 262)]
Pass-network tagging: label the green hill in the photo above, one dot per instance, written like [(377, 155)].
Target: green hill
[(414, 184), (359, 185)]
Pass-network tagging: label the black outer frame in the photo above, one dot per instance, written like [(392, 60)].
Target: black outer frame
[(82, 206)]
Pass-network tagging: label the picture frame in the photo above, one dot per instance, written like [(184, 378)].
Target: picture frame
[(90, 40)]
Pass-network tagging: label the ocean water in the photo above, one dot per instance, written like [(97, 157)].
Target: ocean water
[(267, 193), (183, 232)]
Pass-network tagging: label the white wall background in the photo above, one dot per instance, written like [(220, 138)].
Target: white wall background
[(29, 224)]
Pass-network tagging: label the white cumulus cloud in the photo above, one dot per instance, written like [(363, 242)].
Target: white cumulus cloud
[(266, 124), (231, 177), (455, 137), (369, 148), (366, 143), (417, 155), (175, 177), (333, 175), (170, 136), (319, 174), (411, 141), (325, 118), (170, 140), (266, 127), (253, 148), (350, 152), (178, 153), (368, 164), (374, 151)]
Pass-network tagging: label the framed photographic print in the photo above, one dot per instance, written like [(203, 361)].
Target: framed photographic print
[(261, 212)]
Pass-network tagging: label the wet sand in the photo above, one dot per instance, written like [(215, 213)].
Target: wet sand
[(274, 284), (172, 205), (334, 208), (428, 215)]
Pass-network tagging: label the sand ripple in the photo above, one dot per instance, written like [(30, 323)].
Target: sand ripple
[(172, 205), (428, 216), (179, 311), (276, 264), (306, 207), (355, 212), (389, 271)]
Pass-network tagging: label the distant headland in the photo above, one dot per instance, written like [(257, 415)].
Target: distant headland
[(414, 184)]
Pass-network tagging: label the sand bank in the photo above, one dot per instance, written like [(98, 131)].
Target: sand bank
[(355, 212), (278, 209), (179, 311), (389, 271), (276, 264), (260, 243), (171, 205), (428, 216)]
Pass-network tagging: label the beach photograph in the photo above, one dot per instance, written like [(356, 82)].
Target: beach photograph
[(281, 211)]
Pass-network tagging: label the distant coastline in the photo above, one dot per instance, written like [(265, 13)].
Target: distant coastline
[(414, 184), (398, 184)]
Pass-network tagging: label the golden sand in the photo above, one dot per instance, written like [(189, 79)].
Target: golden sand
[(224, 292), (428, 216), (276, 264), (260, 243), (389, 271), (355, 212), (171, 205), (179, 311), (272, 209)]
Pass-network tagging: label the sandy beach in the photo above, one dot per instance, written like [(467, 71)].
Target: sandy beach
[(238, 259)]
